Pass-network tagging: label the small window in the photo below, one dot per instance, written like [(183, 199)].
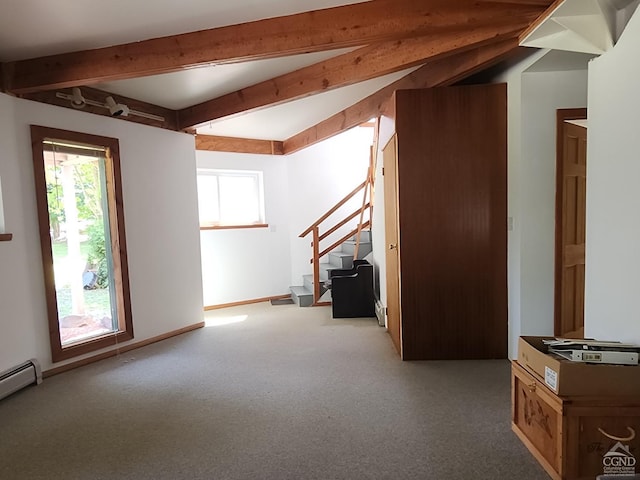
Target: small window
[(228, 198)]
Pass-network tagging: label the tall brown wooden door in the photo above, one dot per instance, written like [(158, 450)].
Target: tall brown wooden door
[(451, 220), (570, 250), (389, 155)]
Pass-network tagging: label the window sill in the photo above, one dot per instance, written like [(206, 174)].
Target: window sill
[(6, 237), (232, 227)]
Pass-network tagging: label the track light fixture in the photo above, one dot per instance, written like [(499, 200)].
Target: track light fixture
[(115, 109), (77, 100)]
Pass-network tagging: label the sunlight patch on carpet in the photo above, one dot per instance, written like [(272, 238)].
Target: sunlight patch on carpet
[(219, 321)]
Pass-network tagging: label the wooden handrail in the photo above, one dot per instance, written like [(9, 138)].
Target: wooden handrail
[(342, 240), (344, 222), (368, 186), (332, 210), (316, 264), (367, 189)]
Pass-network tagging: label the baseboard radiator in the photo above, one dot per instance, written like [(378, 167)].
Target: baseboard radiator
[(18, 377), (381, 312)]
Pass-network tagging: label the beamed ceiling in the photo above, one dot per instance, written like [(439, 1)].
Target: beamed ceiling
[(267, 85)]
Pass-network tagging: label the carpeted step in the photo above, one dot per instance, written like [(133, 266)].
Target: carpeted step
[(302, 296), (325, 268), (341, 259), (365, 236), (364, 249)]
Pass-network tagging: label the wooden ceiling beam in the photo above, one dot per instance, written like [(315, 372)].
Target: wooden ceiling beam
[(239, 145), (346, 26), (437, 73), (538, 3), (353, 67)]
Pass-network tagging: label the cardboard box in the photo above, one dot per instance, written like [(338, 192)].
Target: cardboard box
[(569, 378)]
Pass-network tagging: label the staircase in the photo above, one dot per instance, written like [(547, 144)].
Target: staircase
[(354, 239), (340, 258)]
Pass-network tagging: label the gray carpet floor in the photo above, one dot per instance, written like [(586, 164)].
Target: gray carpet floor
[(267, 392)]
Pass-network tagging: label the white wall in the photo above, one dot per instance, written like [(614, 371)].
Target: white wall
[(319, 176), (533, 98), (246, 264), (542, 94), (160, 210), (612, 308), (378, 232), (378, 236)]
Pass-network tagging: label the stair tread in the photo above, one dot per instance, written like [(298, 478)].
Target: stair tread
[(341, 254), (300, 290)]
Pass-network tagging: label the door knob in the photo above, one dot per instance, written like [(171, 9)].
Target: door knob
[(392, 246)]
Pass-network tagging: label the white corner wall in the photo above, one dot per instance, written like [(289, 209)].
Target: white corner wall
[(533, 98), (542, 94), (612, 297), (319, 176), (247, 264), (378, 232), (161, 221)]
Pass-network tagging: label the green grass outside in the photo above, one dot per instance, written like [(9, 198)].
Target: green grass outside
[(97, 301), (60, 249)]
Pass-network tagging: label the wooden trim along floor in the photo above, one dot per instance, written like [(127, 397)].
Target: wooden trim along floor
[(245, 302), (132, 346), (125, 348)]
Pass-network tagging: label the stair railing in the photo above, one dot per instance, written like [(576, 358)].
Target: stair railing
[(367, 188)]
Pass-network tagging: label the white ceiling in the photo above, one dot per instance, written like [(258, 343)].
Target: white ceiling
[(195, 85), (561, 60), (44, 27), (275, 123), (34, 28)]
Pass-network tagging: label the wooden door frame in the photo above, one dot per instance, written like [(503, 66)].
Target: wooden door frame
[(394, 317), (562, 115)]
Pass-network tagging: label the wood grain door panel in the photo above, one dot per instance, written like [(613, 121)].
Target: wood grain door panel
[(452, 191), (572, 235), (391, 236)]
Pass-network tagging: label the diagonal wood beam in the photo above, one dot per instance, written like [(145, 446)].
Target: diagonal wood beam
[(339, 27), (238, 145), (356, 66), (437, 73)]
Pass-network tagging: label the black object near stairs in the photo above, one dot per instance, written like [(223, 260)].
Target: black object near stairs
[(341, 258)]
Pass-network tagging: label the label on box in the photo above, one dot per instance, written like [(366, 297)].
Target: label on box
[(551, 378)]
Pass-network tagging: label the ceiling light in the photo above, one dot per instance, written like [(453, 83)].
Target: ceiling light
[(77, 100), (116, 109)]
